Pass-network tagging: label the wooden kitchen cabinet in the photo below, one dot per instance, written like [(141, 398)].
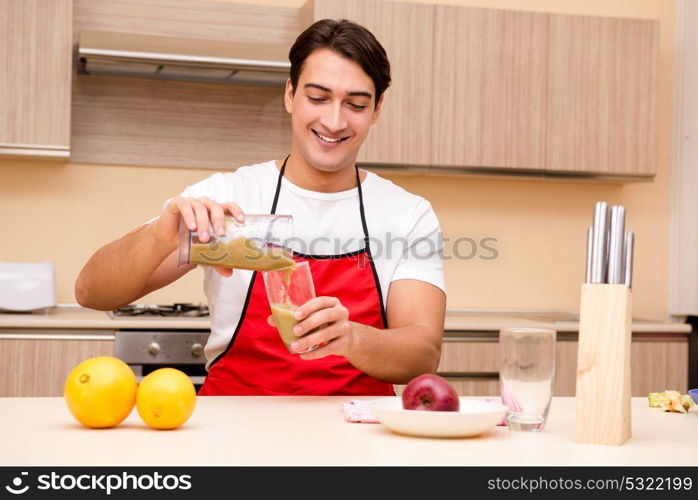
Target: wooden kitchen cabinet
[(36, 39), (510, 91), (403, 134), (466, 355), (658, 362), (472, 89), (167, 123), (602, 95), (471, 364), (565, 380), (489, 88), (38, 363), (544, 92)]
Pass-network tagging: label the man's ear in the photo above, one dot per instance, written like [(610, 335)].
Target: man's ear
[(377, 111), (288, 97)]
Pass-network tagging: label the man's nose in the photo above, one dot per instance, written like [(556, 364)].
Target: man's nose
[(334, 120)]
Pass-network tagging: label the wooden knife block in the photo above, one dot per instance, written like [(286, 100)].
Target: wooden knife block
[(603, 365)]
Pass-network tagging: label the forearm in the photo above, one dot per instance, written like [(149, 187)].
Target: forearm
[(395, 355), (117, 272)]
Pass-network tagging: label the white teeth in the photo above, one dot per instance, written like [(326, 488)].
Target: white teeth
[(327, 138)]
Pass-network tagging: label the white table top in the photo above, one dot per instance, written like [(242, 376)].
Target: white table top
[(312, 431)]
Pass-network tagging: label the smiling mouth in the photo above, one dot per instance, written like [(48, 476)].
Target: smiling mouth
[(329, 140)]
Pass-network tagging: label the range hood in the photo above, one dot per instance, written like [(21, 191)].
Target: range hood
[(171, 58)]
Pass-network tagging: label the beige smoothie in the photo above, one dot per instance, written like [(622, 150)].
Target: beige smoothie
[(284, 321), (240, 253)]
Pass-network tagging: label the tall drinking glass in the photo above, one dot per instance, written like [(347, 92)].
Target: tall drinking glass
[(526, 376), (287, 290)]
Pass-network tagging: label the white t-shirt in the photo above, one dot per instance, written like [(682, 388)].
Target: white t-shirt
[(405, 237)]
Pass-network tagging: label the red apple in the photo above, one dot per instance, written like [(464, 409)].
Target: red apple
[(430, 392)]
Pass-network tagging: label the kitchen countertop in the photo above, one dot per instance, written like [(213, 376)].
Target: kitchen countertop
[(561, 321), (456, 320), (80, 317), (311, 431)]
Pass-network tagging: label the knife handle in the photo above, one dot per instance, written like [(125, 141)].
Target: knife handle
[(628, 258), (590, 249), (615, 245), (599, 244)]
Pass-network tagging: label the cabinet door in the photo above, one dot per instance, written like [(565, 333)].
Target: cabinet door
[(565, 380), (658, 362), (35, 57), (403, 133), (489, 88), (463, 355), (602, 95), (471, 364), (37, 365)]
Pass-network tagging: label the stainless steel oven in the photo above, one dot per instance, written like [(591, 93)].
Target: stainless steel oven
[(147, 350), (150, 348)]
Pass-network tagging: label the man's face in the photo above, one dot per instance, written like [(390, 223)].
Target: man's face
[(332, 110)]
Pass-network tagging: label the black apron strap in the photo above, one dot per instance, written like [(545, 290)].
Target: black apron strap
[(367, 247), (278, 186), (361, 208)]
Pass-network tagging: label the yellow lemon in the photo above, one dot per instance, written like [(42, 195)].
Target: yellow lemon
[(166, 398), (101, 392)]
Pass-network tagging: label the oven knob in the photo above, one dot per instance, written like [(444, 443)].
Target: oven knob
[(154, 348), (197, 349)]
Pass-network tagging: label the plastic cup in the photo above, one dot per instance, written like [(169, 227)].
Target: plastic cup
[(258, 244)]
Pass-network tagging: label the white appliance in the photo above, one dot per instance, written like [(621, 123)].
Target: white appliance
[(26, 287)]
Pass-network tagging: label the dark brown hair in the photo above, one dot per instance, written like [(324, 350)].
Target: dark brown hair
[(347, 39)]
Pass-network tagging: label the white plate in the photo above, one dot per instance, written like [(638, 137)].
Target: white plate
[(474, 417)]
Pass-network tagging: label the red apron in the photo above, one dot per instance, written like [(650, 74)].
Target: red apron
[(256, 362)]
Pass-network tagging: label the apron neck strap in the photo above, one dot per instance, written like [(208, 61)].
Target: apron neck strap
[(361, 207), (278, 186), (358, 183)]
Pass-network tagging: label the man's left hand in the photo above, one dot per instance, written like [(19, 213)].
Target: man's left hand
[(335, 334)]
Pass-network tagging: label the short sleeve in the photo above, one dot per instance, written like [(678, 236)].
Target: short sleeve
[(422, 257)]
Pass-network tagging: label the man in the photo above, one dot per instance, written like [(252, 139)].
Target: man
[(382, 310)]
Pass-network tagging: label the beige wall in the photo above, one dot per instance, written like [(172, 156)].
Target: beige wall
[(65, 212)]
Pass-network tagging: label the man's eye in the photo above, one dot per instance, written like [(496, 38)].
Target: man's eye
[(316, 99), (357, 107)]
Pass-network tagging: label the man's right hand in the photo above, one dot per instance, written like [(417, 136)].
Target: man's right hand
[(198, 214)]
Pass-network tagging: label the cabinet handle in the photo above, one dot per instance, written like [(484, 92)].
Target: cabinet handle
[(473, 338), (470, 375), (40, 336), (59, 153)]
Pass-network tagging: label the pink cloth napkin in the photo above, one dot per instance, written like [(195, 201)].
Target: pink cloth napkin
[(359, 411)]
